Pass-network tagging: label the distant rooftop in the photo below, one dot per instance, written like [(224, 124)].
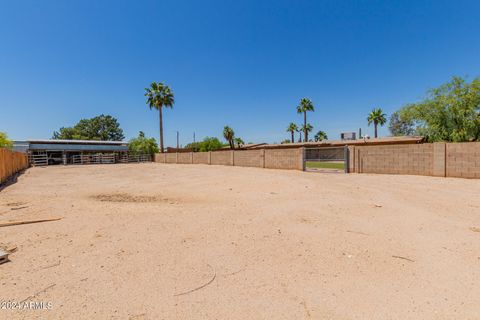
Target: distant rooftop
[(325, 143), (58, 141)]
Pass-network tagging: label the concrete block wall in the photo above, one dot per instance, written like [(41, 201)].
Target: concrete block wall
[(184, 157), (262, 158), (249, 158), (284, 158), (170, 158), (431, 159), (201, 157), (160, 157), (462, 160), (222, 158), (414, 159)]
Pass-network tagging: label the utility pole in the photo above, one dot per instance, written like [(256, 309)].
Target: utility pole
[(193, 136), (177, 139)]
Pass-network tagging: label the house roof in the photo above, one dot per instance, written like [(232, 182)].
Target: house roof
[(361, 142)]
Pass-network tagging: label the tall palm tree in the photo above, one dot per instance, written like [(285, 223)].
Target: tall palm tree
[(304, 106), (306, 129), (321, 135), (158, 96), (229, 135), (292, 128), (240, 143), (378, 118)]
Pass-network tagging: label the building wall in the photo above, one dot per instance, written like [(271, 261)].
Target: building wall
[(11, 162)]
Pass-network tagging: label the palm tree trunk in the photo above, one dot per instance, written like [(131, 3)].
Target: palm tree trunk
[(305, 134), (376, 134), (161, 128), (293, 137)]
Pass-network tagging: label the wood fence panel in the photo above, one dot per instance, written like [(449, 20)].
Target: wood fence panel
[(11, 162)]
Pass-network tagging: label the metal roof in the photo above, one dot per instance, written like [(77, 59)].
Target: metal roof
[(55, 141)]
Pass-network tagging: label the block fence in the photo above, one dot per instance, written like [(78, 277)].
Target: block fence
[(11, 162), (440, 159), (260, 158)]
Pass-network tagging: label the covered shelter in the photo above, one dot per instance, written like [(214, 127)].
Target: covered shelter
[(49, 152)]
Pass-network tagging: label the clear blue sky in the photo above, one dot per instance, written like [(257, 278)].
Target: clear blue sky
[(242, 63)]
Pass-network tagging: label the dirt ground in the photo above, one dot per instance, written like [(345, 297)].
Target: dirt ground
[(158, 241)]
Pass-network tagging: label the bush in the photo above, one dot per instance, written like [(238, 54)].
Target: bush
[(4, 141), (142, 145)]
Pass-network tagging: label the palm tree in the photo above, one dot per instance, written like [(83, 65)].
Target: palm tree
[(158, 96), (239, 142), (229, 135), (378, 118), (321, 135), (292, 128), (304, 106), (306, 129)]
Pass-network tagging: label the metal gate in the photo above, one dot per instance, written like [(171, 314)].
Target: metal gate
[(326, 159)]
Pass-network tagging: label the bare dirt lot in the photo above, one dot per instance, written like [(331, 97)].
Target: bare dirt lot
[(157, 241)]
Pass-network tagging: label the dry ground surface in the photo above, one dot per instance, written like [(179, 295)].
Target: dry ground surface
[(136, 241)]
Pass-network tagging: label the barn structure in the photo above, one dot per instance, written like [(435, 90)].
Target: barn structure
[(50, 152)]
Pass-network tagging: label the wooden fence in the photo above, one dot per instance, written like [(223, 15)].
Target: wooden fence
[(11, 162)]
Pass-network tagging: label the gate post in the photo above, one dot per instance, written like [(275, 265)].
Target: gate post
[(302, 159), (346, 162)]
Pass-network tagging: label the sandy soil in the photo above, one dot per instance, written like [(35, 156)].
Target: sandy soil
[(265, 244)]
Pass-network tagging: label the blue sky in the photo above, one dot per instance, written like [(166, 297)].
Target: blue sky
[(241, 63)]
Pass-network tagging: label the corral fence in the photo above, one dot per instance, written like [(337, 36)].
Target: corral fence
[(11, 162), (42, 159), (326, 159)]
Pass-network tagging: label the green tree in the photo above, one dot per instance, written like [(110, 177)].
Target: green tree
[(142, 145), (399, 126), (305, 106), (5, 142), (321, 135), (207, 144), (229, 135), (159, 96), (450, 112), (240, 143), (306, 129), (292, 128), (102, 127), (377, 117)]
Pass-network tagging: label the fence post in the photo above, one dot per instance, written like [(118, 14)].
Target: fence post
[(301, 164), (263, 157), (209, 157), (440, 159), (176, 157), (232, 157)]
